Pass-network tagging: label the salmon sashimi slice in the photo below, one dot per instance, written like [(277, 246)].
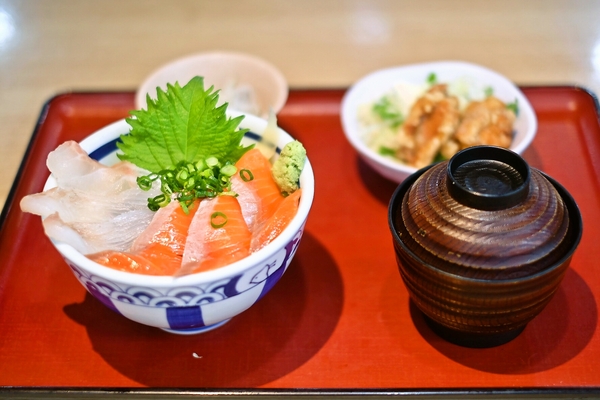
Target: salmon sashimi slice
[(153, 260), (159, 249), (210, 245), (260, 196), (169, 227), (277, 223)]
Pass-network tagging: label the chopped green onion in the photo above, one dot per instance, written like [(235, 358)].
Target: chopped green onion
[(145, 182), (212, 162), (386, 151), (187, 182), (432, 78), (166, 189), (438, 158), (514, 107), (488, 91), (157, 202), (246, 175), (388, 112), (200, 165), (182, 175), (184, 206), (190, 183), (229, 170), (218, 220)]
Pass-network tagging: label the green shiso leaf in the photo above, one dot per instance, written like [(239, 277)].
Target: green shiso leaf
[(184, 125)]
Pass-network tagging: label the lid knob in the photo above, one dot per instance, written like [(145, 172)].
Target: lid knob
[(488, 178)]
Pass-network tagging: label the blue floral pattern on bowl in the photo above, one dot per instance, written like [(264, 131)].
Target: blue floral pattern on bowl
[(190, 309)]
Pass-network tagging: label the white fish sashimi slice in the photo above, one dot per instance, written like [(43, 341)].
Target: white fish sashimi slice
[(72, 168), (45, 204), (91, 237), (85, 206), (54, 227), (249, 201), (70, 160), (194, 249), (94, 207)]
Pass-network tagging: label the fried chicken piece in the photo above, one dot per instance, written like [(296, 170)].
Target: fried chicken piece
[(486, 122), (432, 120)]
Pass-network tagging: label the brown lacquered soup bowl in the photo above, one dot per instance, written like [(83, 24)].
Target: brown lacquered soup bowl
[(482, 243)]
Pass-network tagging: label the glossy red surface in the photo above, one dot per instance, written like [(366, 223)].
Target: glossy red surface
[(340, 318)]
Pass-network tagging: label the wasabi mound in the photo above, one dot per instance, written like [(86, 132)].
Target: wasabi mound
[(288, 167)]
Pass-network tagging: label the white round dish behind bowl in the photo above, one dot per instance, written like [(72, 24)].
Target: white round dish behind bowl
[(249, 82), (197, 302), (376, 84)]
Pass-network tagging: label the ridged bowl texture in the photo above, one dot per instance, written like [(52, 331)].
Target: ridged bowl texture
[(480, 275)]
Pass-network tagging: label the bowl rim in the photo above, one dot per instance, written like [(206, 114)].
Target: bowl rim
[(149, 84), (392, 74), (256, 125)]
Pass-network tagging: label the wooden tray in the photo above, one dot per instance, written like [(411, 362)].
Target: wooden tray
[(338, 323)]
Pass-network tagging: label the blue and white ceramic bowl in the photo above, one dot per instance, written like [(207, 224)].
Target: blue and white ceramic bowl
[(198, 302)]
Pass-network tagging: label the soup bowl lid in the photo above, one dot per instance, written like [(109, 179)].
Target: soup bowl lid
[(485, 214)]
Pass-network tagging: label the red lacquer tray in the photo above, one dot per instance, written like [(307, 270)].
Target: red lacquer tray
[(340, 320)]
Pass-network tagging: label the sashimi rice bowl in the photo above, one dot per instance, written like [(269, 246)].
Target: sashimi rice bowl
[(185, 261)]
